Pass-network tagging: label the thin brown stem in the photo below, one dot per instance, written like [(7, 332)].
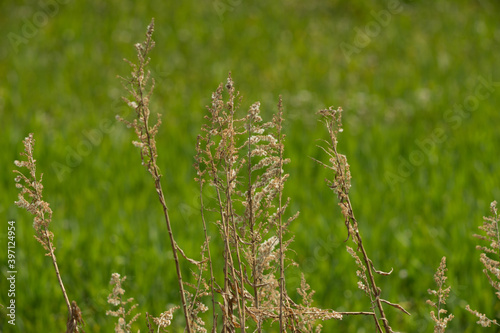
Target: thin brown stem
[(56, 267), (359, 242), (42, 213), (207, 240), (357, 313), (256, 275), (174, 251), (230, 183), (280, 217), (154, 170), (139, 83), (341, 185)]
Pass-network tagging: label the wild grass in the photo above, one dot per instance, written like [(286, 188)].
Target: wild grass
[(442, 294), (240, 165), (341, 185), (31, 199), (116, 299), (490, 258)]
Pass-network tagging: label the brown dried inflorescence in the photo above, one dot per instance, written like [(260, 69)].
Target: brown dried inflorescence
[(31, 198), (140, 86), (116, 299), (490, 259), (442, 294)]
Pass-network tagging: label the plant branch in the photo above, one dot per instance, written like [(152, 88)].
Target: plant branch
[(32, 187), (138, 86), (341, 185)]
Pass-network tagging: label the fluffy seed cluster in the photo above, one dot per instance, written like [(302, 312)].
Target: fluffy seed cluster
[(30, 196), (140, 86), (491, 235), (116, 299), (442, 294)]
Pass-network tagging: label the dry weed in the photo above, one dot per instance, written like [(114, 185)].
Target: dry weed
[(31, 198), (341, 185), (442, 294), (490, 259)]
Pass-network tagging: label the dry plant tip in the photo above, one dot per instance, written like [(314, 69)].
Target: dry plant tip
[(491, 266)]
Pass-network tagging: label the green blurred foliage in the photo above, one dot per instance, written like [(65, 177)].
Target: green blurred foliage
[(418, 81)]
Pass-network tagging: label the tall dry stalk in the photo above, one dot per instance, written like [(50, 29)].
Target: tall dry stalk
[(341, 184), (140, 87), (31, 199)]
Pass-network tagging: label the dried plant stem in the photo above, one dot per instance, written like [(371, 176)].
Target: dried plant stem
[(353, 226), (227, 248), (230, 213), (341, 185), (279, 120), (373, 285), (46, 238), (357, 313), (32, 187), (239, 273), (150, 143), (251, 223), (207, 238), (69, 323), (154, 170), (368, 264), (141, 90), (58, 274), (174, 251), (226, 212)]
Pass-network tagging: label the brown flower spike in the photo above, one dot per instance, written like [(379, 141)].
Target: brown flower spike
[(30, 198)]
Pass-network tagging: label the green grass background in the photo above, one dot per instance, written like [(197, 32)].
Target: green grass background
[(398, 89)]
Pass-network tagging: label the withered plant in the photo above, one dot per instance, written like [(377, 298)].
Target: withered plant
[(241, 158), (31, 199), (442, 294), (341, 185), (490, 258), (116, 299), (140, 87)]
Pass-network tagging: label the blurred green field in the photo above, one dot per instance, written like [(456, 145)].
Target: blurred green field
[(419, 82)]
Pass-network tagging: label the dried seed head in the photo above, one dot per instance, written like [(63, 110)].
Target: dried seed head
[(229, 83)]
